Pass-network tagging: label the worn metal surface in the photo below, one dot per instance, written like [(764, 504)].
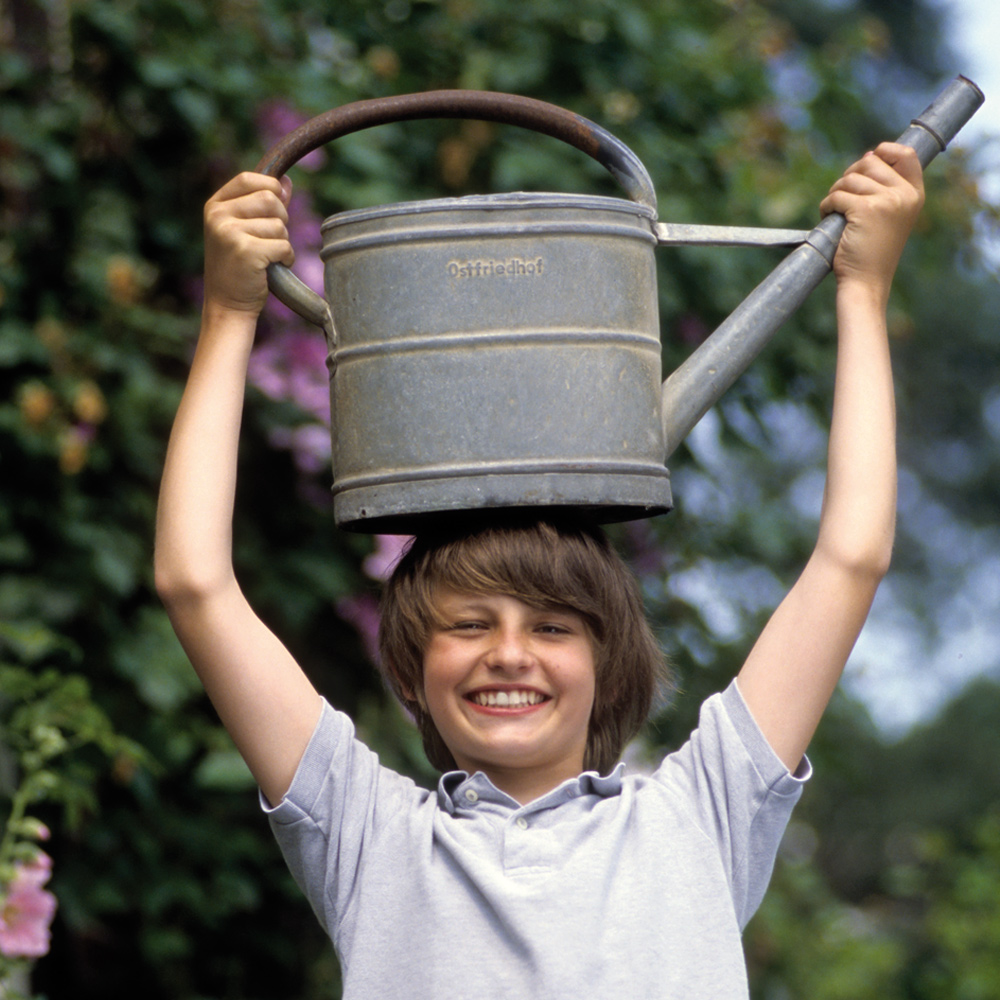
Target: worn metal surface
[(495, 351), (503, 351)]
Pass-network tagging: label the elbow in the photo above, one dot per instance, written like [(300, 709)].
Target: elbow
[(869, 562), (180, 585), (860, 548)]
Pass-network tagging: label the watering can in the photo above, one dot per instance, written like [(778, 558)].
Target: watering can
[(502, 351)]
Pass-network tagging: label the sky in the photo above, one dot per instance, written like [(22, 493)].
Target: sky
[(900, 679), (976, 38)]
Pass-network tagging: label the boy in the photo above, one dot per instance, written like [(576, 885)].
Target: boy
[(519, 650)]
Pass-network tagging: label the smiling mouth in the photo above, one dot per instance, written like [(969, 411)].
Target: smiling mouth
[(507, 699)]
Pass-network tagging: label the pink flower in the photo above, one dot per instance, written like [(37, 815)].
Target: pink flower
[(388, 551), (291, 366), (26, 910)]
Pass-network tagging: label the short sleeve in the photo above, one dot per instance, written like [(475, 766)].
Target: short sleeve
[(740, 793), (331, 814)]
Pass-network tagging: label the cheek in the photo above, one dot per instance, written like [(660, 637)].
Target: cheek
[(438, 675)]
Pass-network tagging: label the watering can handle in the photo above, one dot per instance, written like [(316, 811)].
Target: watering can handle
[(508, 109), (700, 382)]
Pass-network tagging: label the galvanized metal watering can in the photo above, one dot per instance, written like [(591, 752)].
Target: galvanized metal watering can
[(503, 351)]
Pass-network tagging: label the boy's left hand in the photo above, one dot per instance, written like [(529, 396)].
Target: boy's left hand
[(881, 196)]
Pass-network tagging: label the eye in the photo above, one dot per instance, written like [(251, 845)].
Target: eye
[(469, 625), (554, 628)]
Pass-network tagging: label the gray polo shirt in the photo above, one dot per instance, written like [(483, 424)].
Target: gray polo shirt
[(614, 887)]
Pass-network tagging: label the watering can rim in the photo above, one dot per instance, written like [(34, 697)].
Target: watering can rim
[(498, 201)]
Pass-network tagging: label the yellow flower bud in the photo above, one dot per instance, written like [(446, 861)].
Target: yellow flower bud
[(89, 404), (37, 403)]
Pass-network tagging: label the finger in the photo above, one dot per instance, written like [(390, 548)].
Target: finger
[(248, 183), (872, 165), (866, 181), (278, 252), (250, 240), (260, 227), (236, 214), (846, 189), (891, 164), (840, 201), (904, 161), (258, 205)]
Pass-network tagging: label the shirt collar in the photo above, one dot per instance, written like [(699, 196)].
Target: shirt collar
[(453, 787)]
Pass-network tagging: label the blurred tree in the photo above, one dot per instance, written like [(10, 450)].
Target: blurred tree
[(117, 121)]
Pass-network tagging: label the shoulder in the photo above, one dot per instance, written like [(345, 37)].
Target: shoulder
[(729, 749), (338, 775)]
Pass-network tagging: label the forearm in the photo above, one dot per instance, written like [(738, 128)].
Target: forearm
[(858, 517), (194, 517)]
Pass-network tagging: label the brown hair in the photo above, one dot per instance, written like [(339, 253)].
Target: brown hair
[(543, 564)]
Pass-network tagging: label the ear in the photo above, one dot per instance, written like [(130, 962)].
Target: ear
[(412, 694)]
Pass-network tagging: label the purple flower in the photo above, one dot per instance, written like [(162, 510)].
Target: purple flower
[(361, 611), (275, 119), (26, 910), (308, 443), (291, 366)]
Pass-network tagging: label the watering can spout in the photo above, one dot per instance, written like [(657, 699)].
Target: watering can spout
[(698, 384)]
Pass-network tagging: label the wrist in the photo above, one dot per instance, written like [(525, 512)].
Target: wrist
[(862, 292), (216, 315)]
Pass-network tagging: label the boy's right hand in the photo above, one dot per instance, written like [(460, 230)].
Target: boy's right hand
[(246, 230)]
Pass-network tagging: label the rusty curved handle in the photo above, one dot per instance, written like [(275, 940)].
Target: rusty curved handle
[(508, 109)]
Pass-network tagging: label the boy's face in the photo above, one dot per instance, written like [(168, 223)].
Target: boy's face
[(510, 688)]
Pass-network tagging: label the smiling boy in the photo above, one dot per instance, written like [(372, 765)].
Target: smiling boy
[(537, 868), (510, 688)]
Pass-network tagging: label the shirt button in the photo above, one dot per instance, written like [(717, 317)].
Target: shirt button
[(472, 795), (521, 822)]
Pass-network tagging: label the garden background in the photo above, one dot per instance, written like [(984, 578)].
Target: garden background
[(118, 118)]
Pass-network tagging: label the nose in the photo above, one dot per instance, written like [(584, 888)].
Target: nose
[(510, 651)]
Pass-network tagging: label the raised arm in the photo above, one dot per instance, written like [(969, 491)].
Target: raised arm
[(262, 696), (795, 665)]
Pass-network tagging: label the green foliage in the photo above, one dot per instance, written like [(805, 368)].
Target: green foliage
[(118, 120), (46, 715)]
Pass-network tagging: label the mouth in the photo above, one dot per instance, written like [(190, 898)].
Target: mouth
[(517, 698)]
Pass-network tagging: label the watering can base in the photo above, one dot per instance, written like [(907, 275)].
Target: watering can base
[(413, 507)]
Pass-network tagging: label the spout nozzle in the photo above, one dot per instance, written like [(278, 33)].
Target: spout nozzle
[(932, 130)]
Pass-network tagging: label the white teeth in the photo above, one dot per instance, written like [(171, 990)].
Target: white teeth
[(507, 699)]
